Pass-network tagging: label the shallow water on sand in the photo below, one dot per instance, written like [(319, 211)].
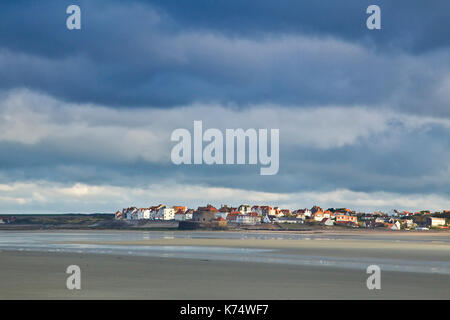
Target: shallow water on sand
[(55, 242)]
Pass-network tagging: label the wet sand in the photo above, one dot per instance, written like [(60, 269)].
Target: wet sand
[(35, 275), (417, 250), (130, 275)]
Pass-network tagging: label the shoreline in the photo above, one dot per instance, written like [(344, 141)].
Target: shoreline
[(340, 231)]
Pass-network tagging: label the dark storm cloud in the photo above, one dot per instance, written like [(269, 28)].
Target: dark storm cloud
[(396, 161), (168, 53), (416, 26)]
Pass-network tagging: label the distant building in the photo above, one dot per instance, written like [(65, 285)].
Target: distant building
[(316, 209), (245, 209), (264, 210), (345, 218), (320, 215), (290, 220), (247, 219), (435, 222), (180, 209), (165, 213), (205, 214), (302, 213), (395, 226)]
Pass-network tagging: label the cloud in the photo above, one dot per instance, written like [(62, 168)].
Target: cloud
[(321, 148), (45, 197), (126, 135), (165, 61)]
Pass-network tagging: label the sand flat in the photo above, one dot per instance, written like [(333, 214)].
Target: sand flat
[(35, 275), (160, 265), (416, 250)]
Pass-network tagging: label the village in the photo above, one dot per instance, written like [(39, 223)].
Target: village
[(246, 215)]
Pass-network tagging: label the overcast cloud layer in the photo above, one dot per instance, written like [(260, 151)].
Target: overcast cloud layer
[(86, 116)]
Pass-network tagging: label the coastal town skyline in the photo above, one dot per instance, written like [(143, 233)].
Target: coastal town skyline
[(261, 216)]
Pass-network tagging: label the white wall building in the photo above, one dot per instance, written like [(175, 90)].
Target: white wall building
[(247, 219), (165, 213)]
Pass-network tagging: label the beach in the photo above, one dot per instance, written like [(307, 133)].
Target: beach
[(121, 265)]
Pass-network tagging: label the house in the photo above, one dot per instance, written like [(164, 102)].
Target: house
[(245, 209), (247, 219), (302, 213), (154, 211), (316, 209), (180, 208), (381, 220), (146, 213), (395, 226), (345, 218), (320, 215), (130, 213), (223, 212), (181, 215), (189, 214), (290, 220), (435, 222), (263, 210), (165, 213), (408, 223), (232, 216)]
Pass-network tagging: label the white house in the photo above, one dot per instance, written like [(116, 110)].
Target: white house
[(165, 213), (131, 213), (320, 215), (289, 220), (247, 219), (180, 216), (435, 222), (146, 213), (245, 209), (396, 226), (302, 213), (189, 213)]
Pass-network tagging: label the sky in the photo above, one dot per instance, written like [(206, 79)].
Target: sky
[(86, 115)]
